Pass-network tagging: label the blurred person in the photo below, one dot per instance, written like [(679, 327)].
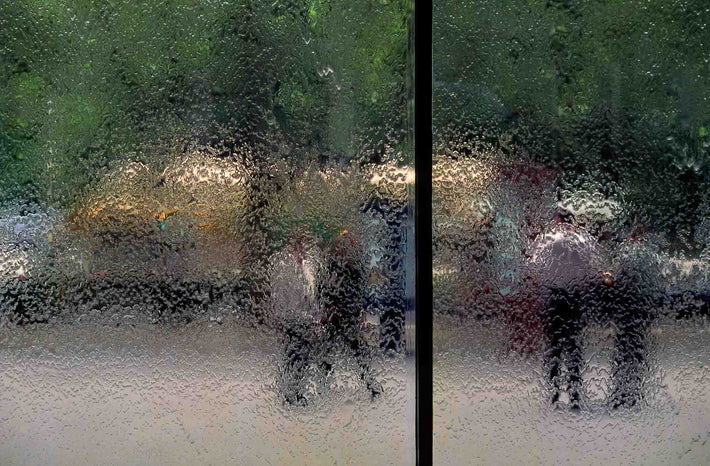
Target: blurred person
[(341, 292), (631, 300), (327, 240), (584, 280), (567, 264), (311, 348), (387, 206)]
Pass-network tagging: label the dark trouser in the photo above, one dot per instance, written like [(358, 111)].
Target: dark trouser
[(348, 335), (298, 347), (564, 321), (310, 352), (629, 311), (392, 325), (563, 324)]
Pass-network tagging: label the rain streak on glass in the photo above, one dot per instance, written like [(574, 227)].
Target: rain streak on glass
[(571, 231), (205, 232)]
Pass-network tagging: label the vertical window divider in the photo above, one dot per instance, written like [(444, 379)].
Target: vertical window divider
[(423, 141)]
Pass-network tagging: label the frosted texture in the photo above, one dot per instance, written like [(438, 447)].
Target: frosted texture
[(571, 257), (205, 232)]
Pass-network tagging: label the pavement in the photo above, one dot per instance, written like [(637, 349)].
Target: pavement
[(492, 406), (205, 393), (200, 393)]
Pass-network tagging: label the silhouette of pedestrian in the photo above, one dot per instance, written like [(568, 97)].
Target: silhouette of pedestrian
[(310, 349), (582, 282), (391, 301), (341, 296), (568, 264), (630, 300)]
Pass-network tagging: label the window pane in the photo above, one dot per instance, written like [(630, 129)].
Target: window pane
[(205, 232), (571, 232)]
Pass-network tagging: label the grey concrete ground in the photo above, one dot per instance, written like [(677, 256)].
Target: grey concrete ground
[(492, 406), (204, 393), (200, 393)]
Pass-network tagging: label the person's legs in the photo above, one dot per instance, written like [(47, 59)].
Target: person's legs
[(297, 354), (346, 330), (630, 356), (392, 328), (363, 355), (575, 357), (563, 326)]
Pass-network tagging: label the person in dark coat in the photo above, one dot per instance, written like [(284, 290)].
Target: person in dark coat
[(310, 349), (630, 300), (567, 266), (390, 299), (341, 297)]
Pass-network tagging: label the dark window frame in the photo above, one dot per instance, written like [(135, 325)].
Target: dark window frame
[(422, 44)]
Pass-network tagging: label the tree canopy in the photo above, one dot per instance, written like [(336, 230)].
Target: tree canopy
[(86, 83), (611, 93)]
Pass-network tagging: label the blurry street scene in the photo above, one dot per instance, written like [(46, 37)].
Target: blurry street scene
[(571, 261), (206, 232)]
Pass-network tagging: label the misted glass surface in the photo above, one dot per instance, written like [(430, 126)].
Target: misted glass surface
[(571, 232), (205, 233)]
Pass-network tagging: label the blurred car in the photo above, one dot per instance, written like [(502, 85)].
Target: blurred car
[(168, 241)]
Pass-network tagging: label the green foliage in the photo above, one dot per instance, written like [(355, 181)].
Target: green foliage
[(612, 93), (84, 83)]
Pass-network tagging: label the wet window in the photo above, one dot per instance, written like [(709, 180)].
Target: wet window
[(206, 232), (207, 245), (571, 201)]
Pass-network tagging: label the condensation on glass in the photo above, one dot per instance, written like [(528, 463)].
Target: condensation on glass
[(205, 232), (571, 230)]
